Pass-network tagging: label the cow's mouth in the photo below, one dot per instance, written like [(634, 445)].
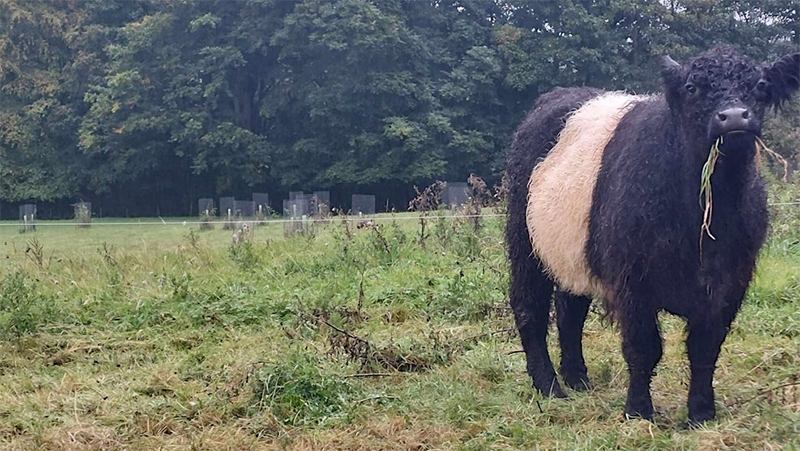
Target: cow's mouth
[(739, 133), (743, 136)]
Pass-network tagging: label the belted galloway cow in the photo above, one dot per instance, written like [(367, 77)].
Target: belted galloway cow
[(605, 202)]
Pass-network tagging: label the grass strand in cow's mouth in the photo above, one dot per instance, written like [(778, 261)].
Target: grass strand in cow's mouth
[(706, 200), (705, 189)]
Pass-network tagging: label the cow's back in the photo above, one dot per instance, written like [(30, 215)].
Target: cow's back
[(560, 191)]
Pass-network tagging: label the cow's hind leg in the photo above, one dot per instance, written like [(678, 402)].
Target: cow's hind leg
[(642, 348), (571, 313), (530, 295)]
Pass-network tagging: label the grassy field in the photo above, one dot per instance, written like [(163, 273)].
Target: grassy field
[(146, 337)]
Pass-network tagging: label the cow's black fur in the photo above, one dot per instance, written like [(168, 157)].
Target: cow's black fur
[(645, 222)]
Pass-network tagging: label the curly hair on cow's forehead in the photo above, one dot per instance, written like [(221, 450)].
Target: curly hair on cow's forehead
[(723, 53), (723, 72), (726, 62)]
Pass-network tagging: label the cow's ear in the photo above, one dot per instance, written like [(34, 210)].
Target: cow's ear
[(672, 73), (783, 78)]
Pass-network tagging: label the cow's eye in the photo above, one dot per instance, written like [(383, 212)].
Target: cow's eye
[(762, 89), (691, 89)]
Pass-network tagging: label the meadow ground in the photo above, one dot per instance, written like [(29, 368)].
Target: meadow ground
[(146, 337)]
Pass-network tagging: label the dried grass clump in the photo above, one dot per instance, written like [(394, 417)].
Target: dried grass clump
[(81, 437), (380, 433)]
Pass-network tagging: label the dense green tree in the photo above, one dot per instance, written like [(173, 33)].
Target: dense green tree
[(180, 102), (52, 51), (35, 113), (355, 100)]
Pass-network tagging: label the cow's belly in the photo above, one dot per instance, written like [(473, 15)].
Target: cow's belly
[(560, 192)]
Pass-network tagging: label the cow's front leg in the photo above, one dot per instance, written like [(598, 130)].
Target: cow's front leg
[(703, 345), (642, 348)]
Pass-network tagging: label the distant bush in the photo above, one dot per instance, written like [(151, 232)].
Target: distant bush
[(207, 220), (83, 215)]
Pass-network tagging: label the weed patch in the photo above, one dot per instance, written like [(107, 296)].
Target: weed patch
[(298, 392), (22, 310)]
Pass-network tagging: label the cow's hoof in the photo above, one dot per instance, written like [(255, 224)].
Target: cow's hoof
[(642, 413), (698, 420), (557, 392), (639, 416), (580, 383), (553, 389)]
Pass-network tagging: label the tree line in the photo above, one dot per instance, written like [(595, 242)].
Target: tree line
[(145, 104)]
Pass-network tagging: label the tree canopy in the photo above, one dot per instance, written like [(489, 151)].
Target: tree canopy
[(158, 102)]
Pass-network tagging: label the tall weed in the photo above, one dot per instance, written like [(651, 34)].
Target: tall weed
[(22, 310), (244, 254)]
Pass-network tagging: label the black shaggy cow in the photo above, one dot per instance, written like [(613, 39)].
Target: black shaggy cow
[(605, 202)]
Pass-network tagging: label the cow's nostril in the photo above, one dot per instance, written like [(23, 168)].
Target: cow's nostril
[(733, 119)]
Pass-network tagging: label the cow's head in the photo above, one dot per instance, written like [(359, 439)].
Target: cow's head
[(724, 93)]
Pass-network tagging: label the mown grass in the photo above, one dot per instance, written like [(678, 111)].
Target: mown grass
[(164, 337)]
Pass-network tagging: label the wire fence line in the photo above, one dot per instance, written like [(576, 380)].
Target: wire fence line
[(382, 217), (156, 222)]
